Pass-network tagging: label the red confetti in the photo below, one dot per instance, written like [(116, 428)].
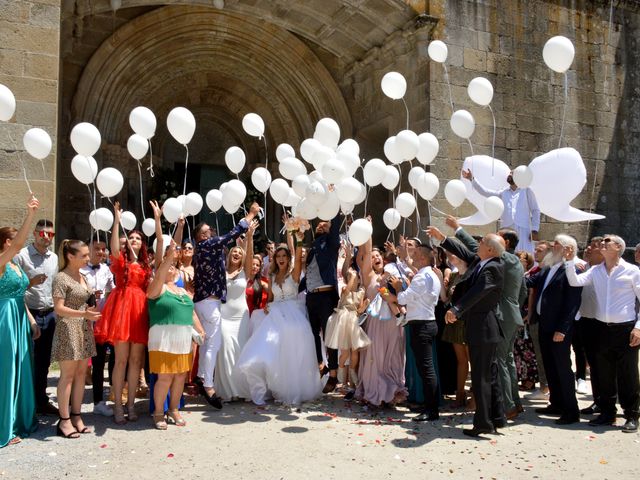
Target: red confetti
[(104, 445), (377, 441), (170, 455), (361, 434)]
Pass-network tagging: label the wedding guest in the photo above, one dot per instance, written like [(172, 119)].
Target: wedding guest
[(185, 265), (41, 265), (73, 342), (17, 329), (257, 286), (523, 350)]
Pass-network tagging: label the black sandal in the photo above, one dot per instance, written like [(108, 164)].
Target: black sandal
[(60, 433), (85, 429)]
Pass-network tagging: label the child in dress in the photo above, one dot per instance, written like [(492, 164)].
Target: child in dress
[(343, 329)]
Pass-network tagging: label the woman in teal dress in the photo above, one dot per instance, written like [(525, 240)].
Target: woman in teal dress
[(17, 396)]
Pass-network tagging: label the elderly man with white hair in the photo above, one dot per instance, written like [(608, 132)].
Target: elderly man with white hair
[(617, 288)]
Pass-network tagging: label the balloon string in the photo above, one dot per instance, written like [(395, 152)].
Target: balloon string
[(44, 178), (141, 194), (243, 207), (266, 153), (470, 146), (413, 192), (266, 166), (150, 168), (186, 164), (493, 143), (407, 110), (366, 198), (90, 202), (564, 109), (24, 171), (446, 77), (217, 226), (439, 211)]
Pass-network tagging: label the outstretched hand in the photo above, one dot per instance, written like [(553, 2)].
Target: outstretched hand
[(434, 232), (452, 222), (157, 211), (467, 175), (33, 204)]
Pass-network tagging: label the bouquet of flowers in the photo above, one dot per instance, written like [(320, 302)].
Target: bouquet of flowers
[(297, 224)]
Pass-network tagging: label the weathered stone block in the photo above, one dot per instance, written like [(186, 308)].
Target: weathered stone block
[(475, 59)]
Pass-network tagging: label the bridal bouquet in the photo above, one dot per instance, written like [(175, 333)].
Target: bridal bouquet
[(297, 224)]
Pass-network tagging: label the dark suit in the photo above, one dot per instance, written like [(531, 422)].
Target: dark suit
[(475, 299), (558, 309)]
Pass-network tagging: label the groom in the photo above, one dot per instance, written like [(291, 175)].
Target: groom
[(322, 290)]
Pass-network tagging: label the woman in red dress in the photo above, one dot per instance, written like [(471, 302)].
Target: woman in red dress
[(257, 286), (125, 319)]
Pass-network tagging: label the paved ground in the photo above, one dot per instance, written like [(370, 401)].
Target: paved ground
[(327, 439)]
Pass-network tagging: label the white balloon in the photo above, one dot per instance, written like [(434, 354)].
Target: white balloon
[(348, 190), (284, 150), (327, 132), (172, 209), (128, 220), (428, 149), (415, 174), (223, 186), (229, 206), (394, 85), (7, 103), (462, 123), (235, 159), (523, 176), (85, 139), (300, 184), (428, 186), (407, 144), (85, 169), (438, 51), (279, 190), (292, 199), (333, 171), (149, 227), (234, 193), (492, 174), (360, 231), (101, 219), (181, 124), (137, 146), (350, 161), (214, 200), (193, 204), (316, 176), (253, 124), (349, 145), (558, 53), (374, 172), (291, 167), (455, 192), (480, 91), (362, 196), (143, 122), (308, 148), (493, 208), (37, 142), (322, 155), (261, 179), (306, 209), (391, 152), (166, 241), (329, 208), (346, 208), (316, 193), (405, 204), (391, 177), (183, 200), (391, 218), (109, 182)]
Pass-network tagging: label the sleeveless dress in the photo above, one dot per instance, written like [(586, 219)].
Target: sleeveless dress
[(382, 364), (343, 330), (73, 337), (234, 314), (17, 397), (125, 317), (279, 360), (251, 293)]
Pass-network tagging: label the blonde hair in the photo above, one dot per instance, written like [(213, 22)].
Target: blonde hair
[(228, 260)]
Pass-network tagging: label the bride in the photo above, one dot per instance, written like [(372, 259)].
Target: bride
[(279, 359)]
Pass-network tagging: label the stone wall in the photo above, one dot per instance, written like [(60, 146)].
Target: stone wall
[(29, 62)]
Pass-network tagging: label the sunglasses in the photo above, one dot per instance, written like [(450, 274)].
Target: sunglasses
[(43, 234), (187, 248)]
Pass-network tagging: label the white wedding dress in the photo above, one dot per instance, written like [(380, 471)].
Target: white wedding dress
[(279, 360)]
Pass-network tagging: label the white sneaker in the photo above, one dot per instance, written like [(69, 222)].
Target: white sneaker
[(103, 409), (582, 387), (538, 395)]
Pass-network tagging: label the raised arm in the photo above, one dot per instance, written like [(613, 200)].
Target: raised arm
[(157, 216), (485, 192), (179, 233), (154, 290), (248, 253), (297, 263), (21, 237), (348, 257), (364, 260), (115, 232)]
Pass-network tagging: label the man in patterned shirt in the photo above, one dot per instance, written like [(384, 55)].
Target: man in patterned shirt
[(210, 290)]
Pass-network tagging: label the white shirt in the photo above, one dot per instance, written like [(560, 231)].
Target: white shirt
[(520, 206), (552, 272), (421, 296), (615, 292), (101, 279), (38, 297)]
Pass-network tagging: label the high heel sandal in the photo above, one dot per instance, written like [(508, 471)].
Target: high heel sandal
[(60, 433), (160, 421), (85, 429), (131, 413), (118, 415), (172, 417)]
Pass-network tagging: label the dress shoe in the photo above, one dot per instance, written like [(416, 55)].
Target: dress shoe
[(512, 414), (330, 386), (630, 426), (499, 423), (590, 410), (427, 417), (475, 432), (349, 395), (549, 410), (416, 408), (47, 409), (567, 419), (214, 400), (602, 420)]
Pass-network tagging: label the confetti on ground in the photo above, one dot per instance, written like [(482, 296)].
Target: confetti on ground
[(104, 445), (603, 461), (170, 455)]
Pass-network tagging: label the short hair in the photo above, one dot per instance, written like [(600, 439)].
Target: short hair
[(44, 223), (545, 243), (527, 257), (597, 239), (617, 239), (509, 236), (198, 227), (390, 257), (494, 243), (567, 241)]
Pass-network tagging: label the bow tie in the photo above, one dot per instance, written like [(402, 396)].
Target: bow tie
[(94, 267)]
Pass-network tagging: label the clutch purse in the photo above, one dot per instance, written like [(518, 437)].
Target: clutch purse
[(196, 337)]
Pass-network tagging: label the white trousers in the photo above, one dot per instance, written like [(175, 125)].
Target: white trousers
[(208, 312)]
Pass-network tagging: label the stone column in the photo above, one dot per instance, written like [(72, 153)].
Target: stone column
[(29, 59)]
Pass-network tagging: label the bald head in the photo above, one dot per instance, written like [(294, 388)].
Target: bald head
[(491, 245)]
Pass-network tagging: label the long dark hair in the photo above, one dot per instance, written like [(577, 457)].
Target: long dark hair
[(257, 284), (143, 257), (273, 267)]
